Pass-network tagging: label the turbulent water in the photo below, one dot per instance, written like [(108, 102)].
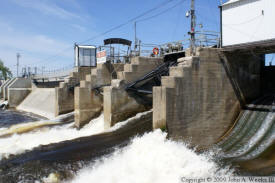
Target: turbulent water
[(252, 140), (146, 158), (150, 158), (11, 117), (19, 143)]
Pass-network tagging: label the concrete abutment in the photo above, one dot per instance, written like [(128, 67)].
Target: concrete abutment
[(202, 96)]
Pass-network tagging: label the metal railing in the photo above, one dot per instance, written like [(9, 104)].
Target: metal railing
[(53, 74), (202, 39)]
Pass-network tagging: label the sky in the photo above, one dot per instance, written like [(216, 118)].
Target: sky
[(44, 31)]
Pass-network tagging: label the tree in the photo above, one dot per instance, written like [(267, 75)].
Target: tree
[(5, 71)]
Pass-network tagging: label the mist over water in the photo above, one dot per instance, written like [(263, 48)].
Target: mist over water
[(150, 158)]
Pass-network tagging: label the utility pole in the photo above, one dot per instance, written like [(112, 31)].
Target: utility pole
[(135, 37), (17, 64), (193, 25)]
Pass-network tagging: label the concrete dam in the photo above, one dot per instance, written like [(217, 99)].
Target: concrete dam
[(217, 101)]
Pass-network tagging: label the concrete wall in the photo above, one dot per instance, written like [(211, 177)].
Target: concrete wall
[(244, 69), (2, 88), (17, 95), (5, 89), (64, 101), (18, 90), (88, 105), (40, 101), (197, 102), (118, 105), (88, 102), (138, 67)]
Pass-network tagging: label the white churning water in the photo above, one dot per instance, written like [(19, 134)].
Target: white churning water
[(150, 158), (19, 143)]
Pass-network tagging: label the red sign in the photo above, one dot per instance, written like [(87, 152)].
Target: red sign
[(101, 54), (156, 51)]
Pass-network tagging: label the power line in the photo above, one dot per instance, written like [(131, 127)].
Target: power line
[(162, 12), (113, 28), (177, 22), (129, 21)]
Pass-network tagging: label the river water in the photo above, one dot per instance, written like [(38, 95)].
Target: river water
[(146, 158), (128, 152), (11, 117)]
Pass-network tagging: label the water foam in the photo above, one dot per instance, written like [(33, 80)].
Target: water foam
[(29, 126), (150, 158), (19, 143)]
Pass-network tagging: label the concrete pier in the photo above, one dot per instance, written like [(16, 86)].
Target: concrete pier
[(88, 101), (64, 94), (88, 106), (118, 104), (202, 96)]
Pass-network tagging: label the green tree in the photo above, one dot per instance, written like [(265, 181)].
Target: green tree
[(5, 71)]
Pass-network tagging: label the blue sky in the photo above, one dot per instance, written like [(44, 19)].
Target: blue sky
[(44, 31)]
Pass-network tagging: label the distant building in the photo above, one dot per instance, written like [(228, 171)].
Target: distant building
[(247, 22)]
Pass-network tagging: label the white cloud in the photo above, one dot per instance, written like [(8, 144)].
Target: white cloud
[(33, 48), (47, 8), (36, 47)]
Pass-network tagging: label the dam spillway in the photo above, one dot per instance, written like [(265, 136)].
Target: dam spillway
[(40, 101), (252, 136), (199, 98)]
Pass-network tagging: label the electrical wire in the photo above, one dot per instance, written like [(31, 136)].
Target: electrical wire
[(129, 21), (162, 12), (177, 23), (112, 29)]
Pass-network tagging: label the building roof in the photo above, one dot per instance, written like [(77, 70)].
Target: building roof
[(230, 1)]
